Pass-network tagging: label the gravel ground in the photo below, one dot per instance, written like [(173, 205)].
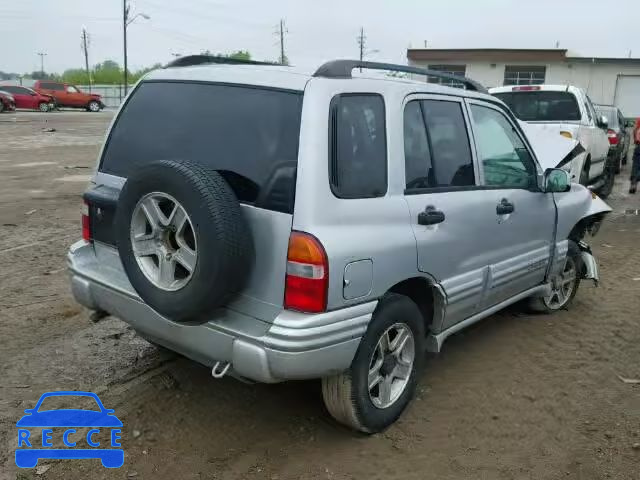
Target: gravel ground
[(515, 397)]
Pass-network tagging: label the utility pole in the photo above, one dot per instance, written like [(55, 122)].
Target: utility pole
[(85, 50), (126, 21), (281, 30), (125, 18), (42, 55), (362, 40)]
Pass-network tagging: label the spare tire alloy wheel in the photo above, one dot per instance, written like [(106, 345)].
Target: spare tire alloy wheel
[(163, 241), (184, 244)]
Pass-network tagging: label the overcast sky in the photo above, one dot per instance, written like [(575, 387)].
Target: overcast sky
[(317, 30)]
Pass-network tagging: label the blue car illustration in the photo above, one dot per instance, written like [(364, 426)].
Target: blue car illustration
[(27, 457)]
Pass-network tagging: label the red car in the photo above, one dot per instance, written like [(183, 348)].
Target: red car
[(67, 95), (7, 102), (26, 98)]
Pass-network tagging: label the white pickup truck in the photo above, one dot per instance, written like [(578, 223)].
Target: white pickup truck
[(566, 110)]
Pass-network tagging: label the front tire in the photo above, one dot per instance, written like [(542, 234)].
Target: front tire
[(93, 106), (609, 180), (564, 286), (43, 107), (382, 379)]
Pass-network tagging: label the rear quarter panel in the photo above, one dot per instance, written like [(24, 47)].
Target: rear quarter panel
[(376, 229)]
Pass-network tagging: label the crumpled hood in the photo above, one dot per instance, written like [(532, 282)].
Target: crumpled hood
[(552, 149)]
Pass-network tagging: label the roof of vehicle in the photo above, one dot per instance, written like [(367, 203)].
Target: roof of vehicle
[(534, 88), (289, 78)]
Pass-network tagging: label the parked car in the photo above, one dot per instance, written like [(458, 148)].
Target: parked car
[(568, 111), (29, 99), (324, 226), (619, 136), (69, 96), (7, 102)]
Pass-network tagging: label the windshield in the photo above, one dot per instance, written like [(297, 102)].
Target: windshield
[(542, 106)]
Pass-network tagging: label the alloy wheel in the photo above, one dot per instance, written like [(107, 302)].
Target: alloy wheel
[(163, 241)]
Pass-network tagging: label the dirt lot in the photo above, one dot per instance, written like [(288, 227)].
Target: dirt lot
[(516, 397)]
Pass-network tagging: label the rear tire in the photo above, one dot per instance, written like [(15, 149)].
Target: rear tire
[(397, 323), (43, 107), (584, 176), (563, 291), (609, 181)]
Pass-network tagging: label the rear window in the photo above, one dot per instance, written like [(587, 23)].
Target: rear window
[(542, 106), (51, 86), (250, 135)]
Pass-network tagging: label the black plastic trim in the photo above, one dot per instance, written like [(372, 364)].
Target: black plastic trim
[(343, 69), (190, 60)]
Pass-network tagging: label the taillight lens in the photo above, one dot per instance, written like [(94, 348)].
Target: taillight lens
[(307, 275), (86, 222), (613, 137)]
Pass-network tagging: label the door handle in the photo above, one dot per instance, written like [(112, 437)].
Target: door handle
[(505, 207), (430, 216)]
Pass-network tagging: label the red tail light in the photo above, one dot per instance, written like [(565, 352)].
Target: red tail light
[(86, 222), (307, 276), (613, 137), (525, 88)]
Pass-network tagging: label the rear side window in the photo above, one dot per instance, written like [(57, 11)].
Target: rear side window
[(542, 106), (51, 86), (250, 135), (436, 146), (358, 146)]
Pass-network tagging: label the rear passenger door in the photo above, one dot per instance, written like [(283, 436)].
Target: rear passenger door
[(453, 221), (523, 216)]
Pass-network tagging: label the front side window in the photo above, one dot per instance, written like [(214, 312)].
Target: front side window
[(504, 157), (358, 146), (72, 89), (436, 146)]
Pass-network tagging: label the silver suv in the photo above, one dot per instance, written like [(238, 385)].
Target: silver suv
[(274, 225)]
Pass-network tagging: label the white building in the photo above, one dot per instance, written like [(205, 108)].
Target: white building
[(609, 81)]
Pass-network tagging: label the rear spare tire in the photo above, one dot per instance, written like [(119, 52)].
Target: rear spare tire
[(182, 239)]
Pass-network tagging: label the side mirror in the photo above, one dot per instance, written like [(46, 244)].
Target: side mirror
[(556, 180), (603, 122)]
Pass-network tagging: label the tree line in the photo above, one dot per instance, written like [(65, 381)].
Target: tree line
[(108, 72)]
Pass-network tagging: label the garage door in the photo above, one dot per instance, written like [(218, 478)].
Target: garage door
[(627, 97)]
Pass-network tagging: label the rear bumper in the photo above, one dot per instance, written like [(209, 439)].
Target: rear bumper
[(293, 346)]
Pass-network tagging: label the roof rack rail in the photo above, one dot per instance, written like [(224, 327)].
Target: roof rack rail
[(343, 69), (190, 60)]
